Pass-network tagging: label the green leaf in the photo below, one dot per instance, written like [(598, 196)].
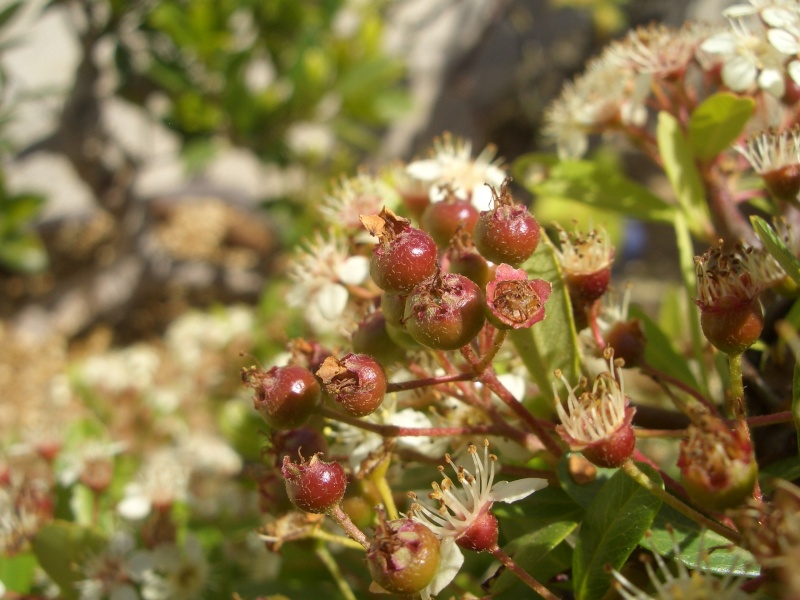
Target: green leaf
[(529, 551), (23, 252), (660, 352), (717, 122), (550, 505), (61, 548), (682, 172), (776, 247), (615, 522), (600, 185), (582, 493), (17, 572), (698, 548), (552, 343), (8, 12)]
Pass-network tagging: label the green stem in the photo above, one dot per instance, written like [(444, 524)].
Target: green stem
[(642, 479), (326, 536), (325, 556), (497, 342), (522, 574), (342, 520), (736, 407)]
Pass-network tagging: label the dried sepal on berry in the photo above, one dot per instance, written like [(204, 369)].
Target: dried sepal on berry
[(404, 255), (717, 463), (507, 233), (285, 396), (357, 382), (598, 422), (313, 485), (513, 301)]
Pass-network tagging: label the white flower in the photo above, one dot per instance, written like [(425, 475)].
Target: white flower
[(770, 151), (320, 273), (355, 196), (178, 573), (113, 573), (72, 464), (459, 510), (162, 481), (452, 166), (748, 58)]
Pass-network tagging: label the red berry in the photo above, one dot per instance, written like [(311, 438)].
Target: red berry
[(463, 258), (733, 330), (628, 341), (442, 219), (404, 556), (291, 442), (314, 486), (285, 396), (372, 337), (404, 255), (508, 233), (513, 300), (445, 312), (357, 382)]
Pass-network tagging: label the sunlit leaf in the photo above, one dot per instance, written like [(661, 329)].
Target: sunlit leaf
[(717, 122), (777, 248), (553, 343), (614, 523)]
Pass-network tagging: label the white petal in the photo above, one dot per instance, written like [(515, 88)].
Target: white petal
[(514, 384), (722, 43), (426, 170), (134, 507), (771, 81), (738, 73), (354, 270), (511, 491), (739, 10), (331, 300), (794, 71), (775, 16), (572, 145), (783, 41), (482, 197), (449, 565)]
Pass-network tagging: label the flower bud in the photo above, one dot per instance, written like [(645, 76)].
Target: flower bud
[(314, 486), (404, 556), (717, 464)]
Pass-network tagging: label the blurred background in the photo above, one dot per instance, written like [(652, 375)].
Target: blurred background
[(161, 159)]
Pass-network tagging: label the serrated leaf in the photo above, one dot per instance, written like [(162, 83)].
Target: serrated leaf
[(777, 248), (597, 184), (682, 172), (660, 352), (552, 343), (698, 548), (717, 122), (61, 547), (617, 519)]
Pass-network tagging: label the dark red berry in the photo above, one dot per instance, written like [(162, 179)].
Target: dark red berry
[(442, 219), (613, 450), (372, 337), (463, 258), (628, 341), (285, 396), (508, 233), (404, 255), (357, 382), (314, 486), (404, 556), (291, 442), (445, 312)]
